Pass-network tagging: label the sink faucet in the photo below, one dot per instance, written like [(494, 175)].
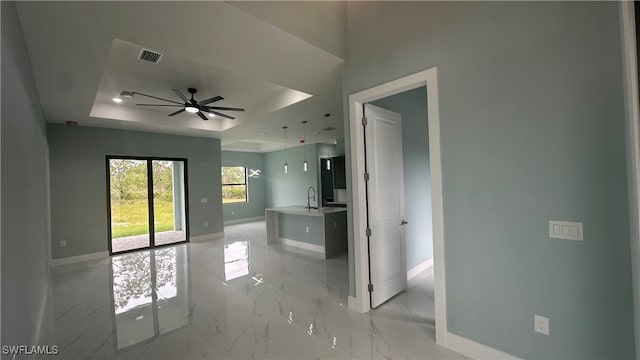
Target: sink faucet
[(310, 196)]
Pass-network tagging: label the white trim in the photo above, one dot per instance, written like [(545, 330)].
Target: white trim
[(80, 258), (207, 237), (428, 78), (632, 115), (302, 245), (40, 314), (244, 220), (475, 350), (418, 269)]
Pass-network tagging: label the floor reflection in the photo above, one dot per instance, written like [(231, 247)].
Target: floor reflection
[(236, 260), (231, 298), (150, 294)]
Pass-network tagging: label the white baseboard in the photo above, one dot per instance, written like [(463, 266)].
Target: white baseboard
[(40, 314), (475, 350), (206, 237), (79, 258), (302, 245), (418, 269), (244, 220)]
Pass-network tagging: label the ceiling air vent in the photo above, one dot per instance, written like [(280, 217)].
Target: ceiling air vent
[(150, 56), (126, 94)]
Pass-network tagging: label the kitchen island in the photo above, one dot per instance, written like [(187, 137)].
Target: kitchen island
[(322, 231)]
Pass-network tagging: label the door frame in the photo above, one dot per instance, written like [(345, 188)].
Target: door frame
[(632, 115), (152, 244), (428, 78)]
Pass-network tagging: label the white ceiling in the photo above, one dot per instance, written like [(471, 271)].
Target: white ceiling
[(84, 53)]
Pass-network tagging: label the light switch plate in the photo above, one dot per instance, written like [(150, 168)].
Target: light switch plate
[(204, 200), (569, 230)]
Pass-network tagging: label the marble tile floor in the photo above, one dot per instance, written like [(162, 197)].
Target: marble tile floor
[(142, 241), (232, 298)]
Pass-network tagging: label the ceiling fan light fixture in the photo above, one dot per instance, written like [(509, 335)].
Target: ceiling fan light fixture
[(191, 109), (192, 106)]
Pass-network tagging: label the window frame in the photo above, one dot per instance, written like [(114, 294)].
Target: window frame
[(245, 184)]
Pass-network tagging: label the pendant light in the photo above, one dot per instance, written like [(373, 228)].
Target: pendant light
[(304, 142), (286, 166)]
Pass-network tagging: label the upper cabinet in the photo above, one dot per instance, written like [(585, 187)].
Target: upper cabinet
[(339, 173)]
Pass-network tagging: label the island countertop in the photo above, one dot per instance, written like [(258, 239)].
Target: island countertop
[(302, 210)]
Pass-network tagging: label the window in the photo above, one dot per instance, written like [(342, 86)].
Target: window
[(234, 184)]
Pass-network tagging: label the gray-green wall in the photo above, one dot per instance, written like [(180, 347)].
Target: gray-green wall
[(78, 181), (291, 188), (255, 205), (24, 195), (340, 147), (412, 105), (325, 150), (532, 129)]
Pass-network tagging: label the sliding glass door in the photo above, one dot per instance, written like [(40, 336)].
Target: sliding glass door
[(147, 202)]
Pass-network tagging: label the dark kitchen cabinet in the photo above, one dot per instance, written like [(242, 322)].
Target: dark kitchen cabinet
[(339, 174)]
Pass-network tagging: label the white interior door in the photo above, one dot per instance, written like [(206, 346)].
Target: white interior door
[(386, 203)]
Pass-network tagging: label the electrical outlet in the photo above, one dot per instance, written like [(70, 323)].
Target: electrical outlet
[(63, 243), (570, 230), (306, 228), (204, 200), (206, 224), (541, 324)]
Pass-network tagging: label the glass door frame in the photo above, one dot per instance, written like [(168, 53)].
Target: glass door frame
[(149, 160)]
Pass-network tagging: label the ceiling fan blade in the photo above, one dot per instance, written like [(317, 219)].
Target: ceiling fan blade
[(202, 116), (177, 112), (180, 95), (159, 98), (224, 108), (156, 105), (219, 114), (210, 100)]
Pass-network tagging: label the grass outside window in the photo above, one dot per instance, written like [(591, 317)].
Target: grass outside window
[(131, 217)]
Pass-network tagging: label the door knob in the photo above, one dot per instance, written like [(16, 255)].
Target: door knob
[(404, 222)]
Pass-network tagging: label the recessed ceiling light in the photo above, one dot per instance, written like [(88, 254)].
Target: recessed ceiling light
[(211, 115), (117, 100)]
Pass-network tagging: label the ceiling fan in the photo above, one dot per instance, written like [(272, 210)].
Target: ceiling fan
[(193, 106)]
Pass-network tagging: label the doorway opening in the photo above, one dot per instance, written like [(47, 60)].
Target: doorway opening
[(361, 188), (147, 202)]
